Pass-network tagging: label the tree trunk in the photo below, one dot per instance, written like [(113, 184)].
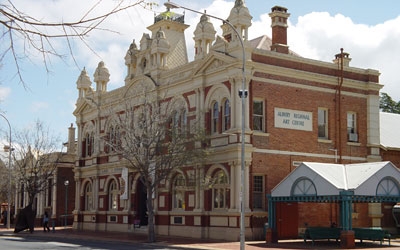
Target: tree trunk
[(150, 212)]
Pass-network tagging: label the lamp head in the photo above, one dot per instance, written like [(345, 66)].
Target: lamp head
[(171, 5)]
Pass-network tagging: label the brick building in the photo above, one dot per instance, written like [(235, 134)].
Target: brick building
[(297, 110), (58, 199)]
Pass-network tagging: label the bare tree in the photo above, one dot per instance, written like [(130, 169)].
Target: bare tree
[(155, 139), (3, 182), (23, 33), (36, 155)]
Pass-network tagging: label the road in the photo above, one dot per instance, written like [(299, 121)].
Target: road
[(15, 242)]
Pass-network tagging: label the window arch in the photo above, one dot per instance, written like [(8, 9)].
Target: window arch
[(215, 118), (303, 186), (227, 116), (220, 190), (113, 195), (178, 188), (388, 187), (88, 197)]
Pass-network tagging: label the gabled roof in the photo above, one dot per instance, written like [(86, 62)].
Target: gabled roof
[(330, 179), (264, 43), (388, 128)]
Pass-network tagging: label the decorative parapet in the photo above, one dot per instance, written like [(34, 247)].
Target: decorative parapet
[(168, 15)]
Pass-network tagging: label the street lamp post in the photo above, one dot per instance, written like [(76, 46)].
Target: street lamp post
[(66, 183), (9, 148), (242, 95)]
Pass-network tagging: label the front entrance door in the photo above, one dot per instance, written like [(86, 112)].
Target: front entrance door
[(287, 220), (141, 206)]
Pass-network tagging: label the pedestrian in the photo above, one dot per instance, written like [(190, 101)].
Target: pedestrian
[(46, 222)]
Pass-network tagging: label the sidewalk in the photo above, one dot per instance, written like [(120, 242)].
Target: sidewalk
[(172, 241)]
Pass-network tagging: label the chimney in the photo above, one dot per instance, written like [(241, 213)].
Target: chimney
[(279, 26), (71, 139), (342, 56)]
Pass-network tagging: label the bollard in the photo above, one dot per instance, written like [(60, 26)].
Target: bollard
[(53, 224)]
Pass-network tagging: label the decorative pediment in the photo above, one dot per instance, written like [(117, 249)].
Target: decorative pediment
[(83, 106), (212, 62)]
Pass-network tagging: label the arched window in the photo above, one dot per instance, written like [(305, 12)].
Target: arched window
[(215, 118), (303, 186), (220, 190), (179, 192), (113, 196), (388, 186), (227, 116), (88, 197)]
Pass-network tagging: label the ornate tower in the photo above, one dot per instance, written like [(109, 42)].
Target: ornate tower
[(83, 84), (240, 18), (204, 35), (101, 77)]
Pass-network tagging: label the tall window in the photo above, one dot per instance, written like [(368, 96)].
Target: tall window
[(183, 120), (220, 190), (258, 192), (175, 122), (114, 138), (352, 127), (227, 116), (215, 118), (258, 115), (179, 192), (88, 197), (113, 196), (89, 144), (179, 120), (323, 123)]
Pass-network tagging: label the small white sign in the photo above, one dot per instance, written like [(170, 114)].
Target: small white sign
[(293, 119)]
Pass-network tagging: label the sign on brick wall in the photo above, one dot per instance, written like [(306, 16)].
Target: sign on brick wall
[(293, 119)]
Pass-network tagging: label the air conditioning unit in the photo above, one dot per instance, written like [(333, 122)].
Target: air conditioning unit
[(353, 137)]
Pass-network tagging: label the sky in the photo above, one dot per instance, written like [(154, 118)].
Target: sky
[(367, 30)]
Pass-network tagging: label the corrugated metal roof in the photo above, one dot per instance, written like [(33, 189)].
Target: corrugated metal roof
[(340, 177), (389, 125)]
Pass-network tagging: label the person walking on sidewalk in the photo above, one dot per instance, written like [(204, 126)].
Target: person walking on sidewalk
[(46, 222)]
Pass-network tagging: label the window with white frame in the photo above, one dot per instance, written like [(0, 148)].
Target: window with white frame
[(215, 118), (88, 197), (179, 192), (220, 190), (258, 192), (323, 123), (258, 115), (352, 127), (227, 116), (113, 196)]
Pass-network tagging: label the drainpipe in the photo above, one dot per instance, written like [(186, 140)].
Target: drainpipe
[(339, 108)]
